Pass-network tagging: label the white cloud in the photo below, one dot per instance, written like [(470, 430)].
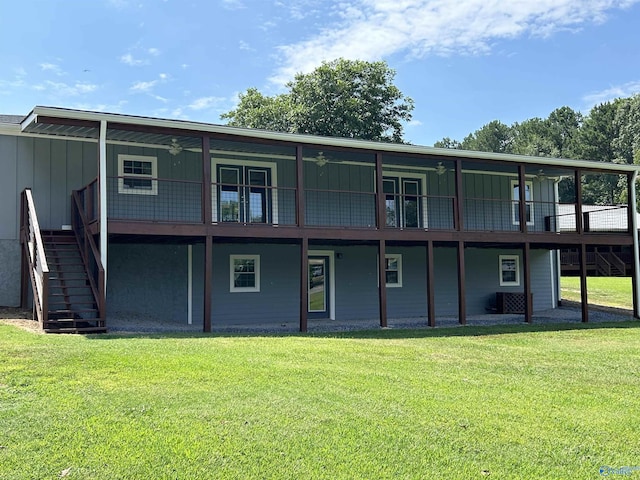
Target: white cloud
[(143, 87), (619, 91), (205, 103), (374, 29), (129, 59), (153, 51), (64, 89), (51, 67), (233, 4)]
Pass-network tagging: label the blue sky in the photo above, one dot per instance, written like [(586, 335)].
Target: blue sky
[(464, 62)]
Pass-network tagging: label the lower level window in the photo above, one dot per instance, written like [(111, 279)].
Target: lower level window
[(509, 270), (393, 270), (244, 273)]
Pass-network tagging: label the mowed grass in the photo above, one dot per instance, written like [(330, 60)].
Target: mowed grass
[(607, 291), (506, 402)]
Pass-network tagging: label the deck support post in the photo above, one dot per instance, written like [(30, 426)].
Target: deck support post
[(304, 283), (458, 214), (382, 283), (462, 300), (208, 274), (528, 304), (431, 306), (381, 214), (299, 187), (583, 282), (207, 214), (633, 225), (522, 198)]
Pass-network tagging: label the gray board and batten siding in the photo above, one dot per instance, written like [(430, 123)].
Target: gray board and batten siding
[(150, 281), (52, 168)]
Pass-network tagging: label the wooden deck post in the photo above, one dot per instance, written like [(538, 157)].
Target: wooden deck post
[(431, 307), (207, 214), (208, 273), (522, 198), (578, 189), (583, 282), (462, 300), (304, 283), (382, 281), (299, 187), (458, 216), (381, 217)]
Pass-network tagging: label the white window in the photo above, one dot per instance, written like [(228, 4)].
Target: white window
[(244, 275), (515, 204), (509, 270), (137, 174), (393, 269)]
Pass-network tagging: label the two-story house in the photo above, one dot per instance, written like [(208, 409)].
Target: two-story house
[(105, 215)]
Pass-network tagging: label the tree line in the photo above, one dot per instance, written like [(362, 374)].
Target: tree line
[(610, 132)]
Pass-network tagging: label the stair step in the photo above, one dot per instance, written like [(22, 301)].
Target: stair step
[(76, 330), (71, 295)]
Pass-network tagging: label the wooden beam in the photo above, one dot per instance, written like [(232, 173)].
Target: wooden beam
[(207, 214), (458, 217), (528, 303), (577, 179), (304, 283), (583, 282), (522, 198), (381, 214), (462, 296), (382, 283), (431, 304), (300, 208), (208, 274)]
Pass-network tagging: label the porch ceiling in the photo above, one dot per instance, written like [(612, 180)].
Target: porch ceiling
[(155, 131)]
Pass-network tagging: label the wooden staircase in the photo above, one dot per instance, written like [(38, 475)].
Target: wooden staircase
[(71, 303)]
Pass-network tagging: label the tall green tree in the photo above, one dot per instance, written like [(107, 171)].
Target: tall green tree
[(495, 136), (627, 122), (342, 98)]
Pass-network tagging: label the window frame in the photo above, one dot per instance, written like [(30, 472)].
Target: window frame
[(506, 283), (122, 188), (232, 272), (515, 202), (398, 258)]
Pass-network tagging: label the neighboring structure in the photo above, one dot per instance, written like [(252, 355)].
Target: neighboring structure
[(216, 226)]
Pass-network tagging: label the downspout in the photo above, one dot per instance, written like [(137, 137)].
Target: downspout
[(556, 200), (102, 180), (636, 247)]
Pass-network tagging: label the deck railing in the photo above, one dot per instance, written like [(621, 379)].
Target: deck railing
[(166, 200), (88, 197), (34, 251), (90, 255), (181, 201)]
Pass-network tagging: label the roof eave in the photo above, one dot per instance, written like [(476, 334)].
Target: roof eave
[(318, 140)]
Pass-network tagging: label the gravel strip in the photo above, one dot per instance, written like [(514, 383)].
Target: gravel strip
[(561, 315)]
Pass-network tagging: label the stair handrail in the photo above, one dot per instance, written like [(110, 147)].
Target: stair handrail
[(618, 263), (603, 264), (36, 258), (89, 253)]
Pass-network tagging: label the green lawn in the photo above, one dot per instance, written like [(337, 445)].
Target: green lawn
[(510, 402), (607, 291)]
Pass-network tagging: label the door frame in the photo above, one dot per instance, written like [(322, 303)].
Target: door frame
[(273, 188), (422, 178), (332, 278)]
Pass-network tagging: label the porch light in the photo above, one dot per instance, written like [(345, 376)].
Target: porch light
[(175, 148)]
